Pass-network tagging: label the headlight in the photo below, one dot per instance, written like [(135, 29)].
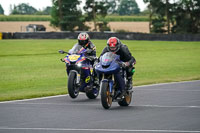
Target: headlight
[(79, 64)]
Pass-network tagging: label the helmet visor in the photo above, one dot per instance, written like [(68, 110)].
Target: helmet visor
[(82, 42), (113, 48)]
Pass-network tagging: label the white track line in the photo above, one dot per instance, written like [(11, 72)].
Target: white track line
[(167, 83), (134, 88), (91, 104), (141, 89), (34, 99), (161, 106), (101, 130)]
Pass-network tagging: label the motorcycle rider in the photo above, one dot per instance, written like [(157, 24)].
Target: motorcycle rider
[(114, 45), (84, 41)]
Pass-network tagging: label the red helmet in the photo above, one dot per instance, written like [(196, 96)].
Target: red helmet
[(83, 39), (113, 44)]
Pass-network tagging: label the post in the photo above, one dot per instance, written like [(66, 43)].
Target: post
[(167, 15)]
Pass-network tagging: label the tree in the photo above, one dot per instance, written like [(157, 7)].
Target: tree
[(144, 12), (182, 15), (186, 16), (23, 9), (1, 10), (66, 16), (128, 7), (113, 5), (95, 9), (158, 25), (46, 11), (156, 16)]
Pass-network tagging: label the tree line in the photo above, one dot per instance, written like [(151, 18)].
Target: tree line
[(26, 9), (165, 16), (177, 16), (120, 7), (66, 14)]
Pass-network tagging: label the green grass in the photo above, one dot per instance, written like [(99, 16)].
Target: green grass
[(25, 18), (32, 68), (109, 18)]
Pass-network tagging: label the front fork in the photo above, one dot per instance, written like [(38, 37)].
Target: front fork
[(110, 82), (115, 78), (77, 76)]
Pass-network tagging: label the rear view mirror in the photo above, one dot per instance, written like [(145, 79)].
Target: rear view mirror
[(61, 51)]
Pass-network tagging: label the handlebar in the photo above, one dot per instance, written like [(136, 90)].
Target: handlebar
[(62, 52), (80, 52), (122, 64), (91, 58)]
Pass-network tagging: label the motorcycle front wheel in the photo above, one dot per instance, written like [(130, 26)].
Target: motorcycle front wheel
[(106, 97), (72, 89)]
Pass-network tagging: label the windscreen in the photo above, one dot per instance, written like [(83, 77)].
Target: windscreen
[(75, 49), (107, 58)]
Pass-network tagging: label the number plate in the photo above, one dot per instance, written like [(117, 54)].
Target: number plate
[(73, 57)]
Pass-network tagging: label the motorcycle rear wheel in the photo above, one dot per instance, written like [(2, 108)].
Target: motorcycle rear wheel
[(106, 98), (126, 100), (73, 92), (92, 94)]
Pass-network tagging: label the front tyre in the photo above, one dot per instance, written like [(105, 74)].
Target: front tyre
[(126, 100), (106, 98), (72, 88)]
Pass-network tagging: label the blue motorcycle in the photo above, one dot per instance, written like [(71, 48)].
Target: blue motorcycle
[(113, 81), (80, 73)]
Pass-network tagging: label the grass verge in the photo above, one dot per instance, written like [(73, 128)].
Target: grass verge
[(32, 68)]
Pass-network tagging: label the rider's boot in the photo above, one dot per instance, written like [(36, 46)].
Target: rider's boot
[(96, 80), (129, 83)]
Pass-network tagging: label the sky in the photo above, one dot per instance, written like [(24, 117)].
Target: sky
[(41, 4)]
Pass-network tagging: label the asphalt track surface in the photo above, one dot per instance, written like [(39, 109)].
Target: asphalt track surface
[(161, 108)]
